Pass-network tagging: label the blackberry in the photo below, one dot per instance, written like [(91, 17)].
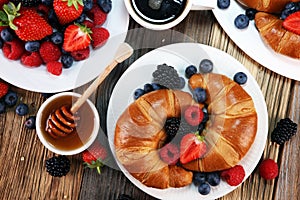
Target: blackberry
[(167, 76), (27, 3), (172, 126), (283, 131), (58, 166)]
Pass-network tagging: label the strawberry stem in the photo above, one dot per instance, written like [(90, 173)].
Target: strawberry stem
[(11, 12)]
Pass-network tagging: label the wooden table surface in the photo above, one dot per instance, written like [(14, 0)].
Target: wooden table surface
[(22, 156)]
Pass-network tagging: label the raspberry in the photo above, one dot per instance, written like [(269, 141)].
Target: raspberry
[(193, 115), (81, 54), (99, 36), (31, 59), (13, 50), (268, 169), (234, 176), (169, 154), (54, 67), (97, 15), (88, 23), (3, 89), (49, 52)]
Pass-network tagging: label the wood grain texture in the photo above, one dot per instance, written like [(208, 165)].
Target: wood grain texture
[(22, 156)]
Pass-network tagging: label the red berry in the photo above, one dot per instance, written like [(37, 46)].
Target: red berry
[(99, 36), (97, 15), (192, 147), (193, 115), (49, 52), (81, 54), (268, 169), (291, 23), (13, 50), (234, 176), (54, 67), (169, 154), (31, 59), (3, 89), (88, 23)]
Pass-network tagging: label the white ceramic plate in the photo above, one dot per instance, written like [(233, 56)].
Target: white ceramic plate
[(39, 80), (180, 56), (251, 43)]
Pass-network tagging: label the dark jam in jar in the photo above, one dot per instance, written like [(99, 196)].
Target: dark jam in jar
[(158, 11)]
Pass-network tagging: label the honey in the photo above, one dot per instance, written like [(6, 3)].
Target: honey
[(82, 132)]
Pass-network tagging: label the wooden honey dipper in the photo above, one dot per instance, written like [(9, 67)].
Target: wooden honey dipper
[(63, 121)]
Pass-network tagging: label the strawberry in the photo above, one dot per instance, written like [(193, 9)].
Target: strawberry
[(292, 23), (27, 23), (76, 37), (94, 156), (99, 36), (67, 10), (192, 147), (3, 89)]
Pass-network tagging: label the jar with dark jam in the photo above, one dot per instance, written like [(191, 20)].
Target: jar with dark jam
[(158, 11)]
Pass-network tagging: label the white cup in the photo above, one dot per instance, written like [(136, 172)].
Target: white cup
[(190, 5), (48, 141)]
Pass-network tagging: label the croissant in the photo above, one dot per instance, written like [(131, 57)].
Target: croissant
[(276, 36), (139, 134), (232, 125), (271, 6)]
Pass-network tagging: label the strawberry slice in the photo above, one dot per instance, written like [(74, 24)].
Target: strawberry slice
[(76, 37), (292, 23), (192, 147)]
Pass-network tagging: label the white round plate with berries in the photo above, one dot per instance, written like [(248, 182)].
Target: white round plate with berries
[(38, 79), (251, 43), (181, 55)]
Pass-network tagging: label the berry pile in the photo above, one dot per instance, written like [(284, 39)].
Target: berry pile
[(56, 33), (204, 181), (9, 100), (283, 131)]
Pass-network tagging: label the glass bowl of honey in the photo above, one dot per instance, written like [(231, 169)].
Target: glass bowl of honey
[(71, 136)]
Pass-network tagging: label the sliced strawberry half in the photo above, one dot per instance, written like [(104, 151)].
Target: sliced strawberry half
[(292, 23), (76, 37), (192, 147)]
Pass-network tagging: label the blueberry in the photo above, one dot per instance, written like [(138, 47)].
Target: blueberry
[(199, 95), (199, 178), (250, 13), (284, 14), (87, 5), (32, 46), (156, 86), (190, 71), (53, 20), (181, 83), (47, 2), (105, 5), (11, 98), (6, 35), (148, 88), (57, 37), (204, 188), (67, 60), (138, 93), (240, 78), (213, 178), (201, 127), (205, 117), (30, 122), (223, 4), (2, 107), (241, 21), (206, 66), (81, 18), (22, 109)]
